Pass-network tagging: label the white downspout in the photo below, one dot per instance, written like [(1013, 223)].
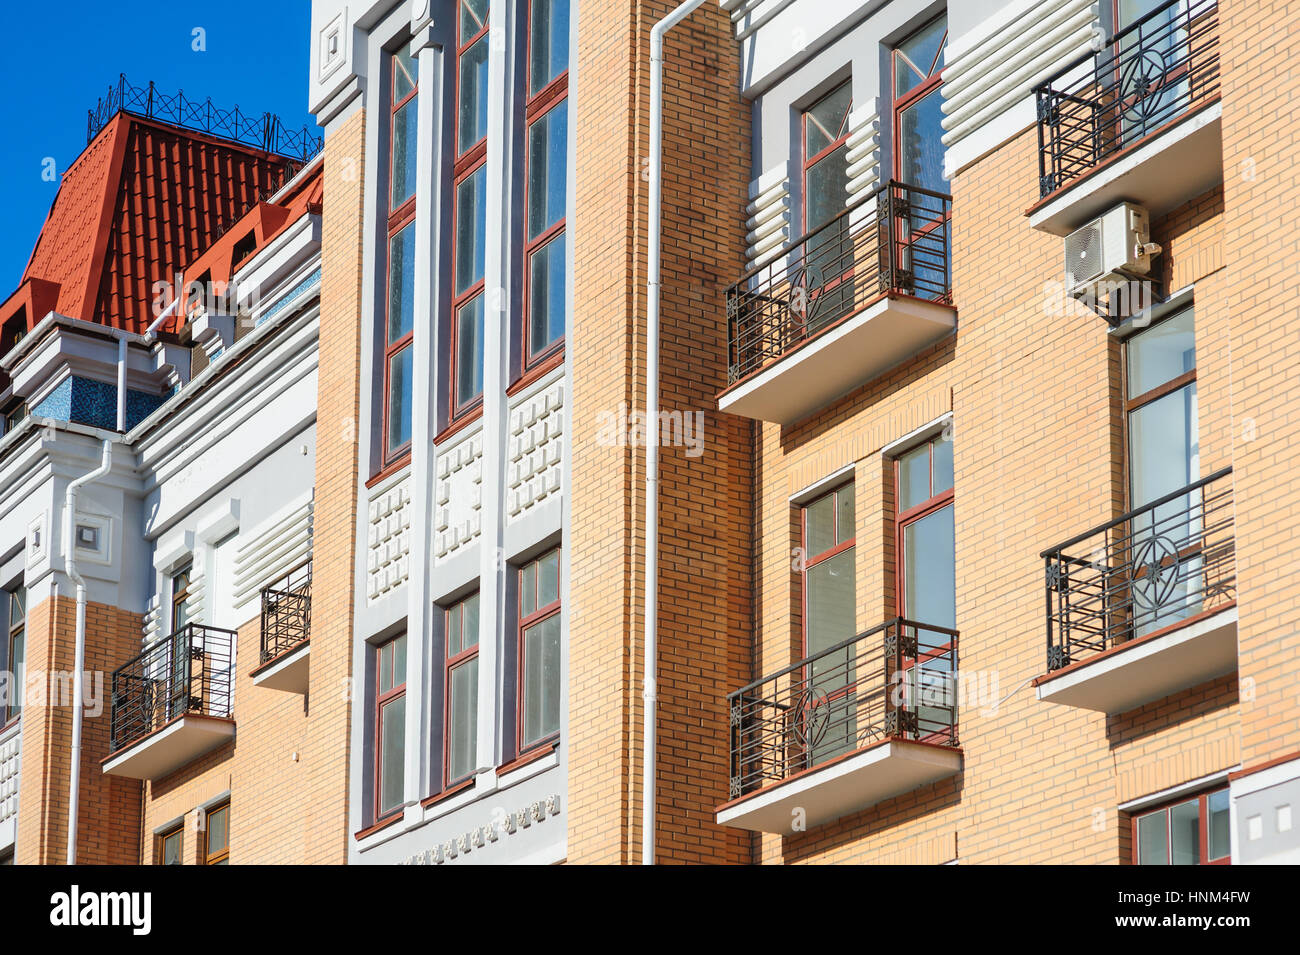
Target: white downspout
[(651, 664), (70, 567)]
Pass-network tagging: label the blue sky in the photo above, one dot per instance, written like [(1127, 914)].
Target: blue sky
[(62, 56)]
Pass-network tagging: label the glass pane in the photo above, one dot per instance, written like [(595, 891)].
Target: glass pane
[(942, 464), (1185, 830), (1164, 450), (1220, 837), (548, 42), (548, 579), (17, 660), (827, 185), (399, 661), (392, 750), (930, 570), (915, 58), (405, 144), (399, 399), (218, 830), (920, 151), (473, 17), (548, 140), (470, 633), (473, 107), (453, 630), (471, 228), (914, 478), (172, 849), (844, 518), (401, 283), (528, 590), (1161, 354), (469, 351), (825, 122), (541, 680), (462, 731), (385, 669), (406, 73), (831, 602), (17, 606), (819, 525), (546, 296), (1153, 839)]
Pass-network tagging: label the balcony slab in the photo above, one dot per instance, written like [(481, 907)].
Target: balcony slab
[(166, 750), (288, 672)]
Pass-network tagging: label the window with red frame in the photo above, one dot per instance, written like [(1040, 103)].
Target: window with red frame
[(830, 615), (547, 139), (539, 650), (461, 721), (399, 300), (925, 541), (1194, 830), (828, 255), (15, 654), (469, 207), (917, 77), (390, 726)]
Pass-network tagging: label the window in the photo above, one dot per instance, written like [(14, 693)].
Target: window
[(462, 689), (170, 845), (399, 300), (16, 652), (925, 542), (1191, 831), (180, 598), (828, 255), (469, 208), (390, 727), (539, 650), (216, 835), (14, 415), (830, 614), (917, 75), (546, 186)]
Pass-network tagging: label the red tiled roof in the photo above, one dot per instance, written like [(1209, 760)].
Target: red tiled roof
[(137, 206)]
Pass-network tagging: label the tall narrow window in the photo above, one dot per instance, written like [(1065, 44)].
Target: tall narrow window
[(829, 617), (390, 726), (17, 651), (539, 650), (927, 585), (399, 301), (216, 835), (181, 598), (462, 689), (547, 118), (827, 265), (1164, 457), (917, 70), (1193, 831), (469, 200)]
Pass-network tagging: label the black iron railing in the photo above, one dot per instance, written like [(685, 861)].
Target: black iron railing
[(1149, 74), (1149, 569), (264, 131), (186, 673), (896, 681), (286, 612), (893, 241)]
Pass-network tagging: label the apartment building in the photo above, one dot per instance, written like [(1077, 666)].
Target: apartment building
[(157, 478)]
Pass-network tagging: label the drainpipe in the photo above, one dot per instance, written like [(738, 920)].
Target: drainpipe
[(650, 666), (70, 567)]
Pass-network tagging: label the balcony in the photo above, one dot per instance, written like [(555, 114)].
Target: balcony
[(1138, 121), (871, 718), (171, 704), (1146, 605), (284, 662), (848, 301)]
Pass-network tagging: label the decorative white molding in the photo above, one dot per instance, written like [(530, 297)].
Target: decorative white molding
[(152, 620), (748, 15), (272, 550), (536, 448), (458, 494), (502, 825), (11, 741), (388, 565), (864, 158), (767, 226), (992, 69)]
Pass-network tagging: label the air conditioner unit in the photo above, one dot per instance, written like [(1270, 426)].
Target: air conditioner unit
[(1115, 247)]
